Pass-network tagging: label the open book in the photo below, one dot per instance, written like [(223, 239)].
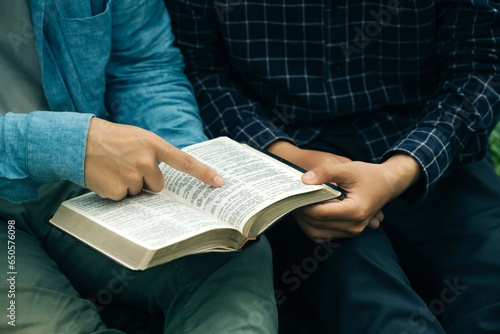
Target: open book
[(189, 216)]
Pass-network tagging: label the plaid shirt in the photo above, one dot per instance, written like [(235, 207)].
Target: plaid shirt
[(417, 76)]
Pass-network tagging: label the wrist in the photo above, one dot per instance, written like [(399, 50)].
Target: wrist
[(402, 172), (281, 148)]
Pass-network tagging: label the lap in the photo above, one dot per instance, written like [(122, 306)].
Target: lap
[(449, 237), (206, 293), (45, 300), (455, 231)]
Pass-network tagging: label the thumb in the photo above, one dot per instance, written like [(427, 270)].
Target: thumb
[(335, 173)]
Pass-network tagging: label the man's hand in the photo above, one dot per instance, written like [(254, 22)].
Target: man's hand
[(369, 187), (122, 160), (309, 159)]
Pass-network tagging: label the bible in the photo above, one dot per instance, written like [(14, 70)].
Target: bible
[(189, 216)]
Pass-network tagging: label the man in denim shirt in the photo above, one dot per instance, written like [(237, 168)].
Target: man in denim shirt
[(407, 89), (61, 63)]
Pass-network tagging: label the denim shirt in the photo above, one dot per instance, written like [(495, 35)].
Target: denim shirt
[(112, 59)]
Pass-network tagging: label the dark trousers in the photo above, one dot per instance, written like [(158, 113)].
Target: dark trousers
[(433, 267)]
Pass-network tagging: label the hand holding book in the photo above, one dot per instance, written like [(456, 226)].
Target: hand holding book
[(369, 187)]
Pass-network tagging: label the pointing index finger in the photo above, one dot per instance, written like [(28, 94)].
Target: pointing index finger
[(186, 163)]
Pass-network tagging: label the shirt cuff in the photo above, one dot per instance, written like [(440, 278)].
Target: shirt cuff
[(431, 149), (55, 146)]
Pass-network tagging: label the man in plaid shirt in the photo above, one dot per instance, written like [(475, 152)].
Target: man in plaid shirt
[(393, 100)]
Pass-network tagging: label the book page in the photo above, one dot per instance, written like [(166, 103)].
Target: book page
[(252, 181), (151, 220)]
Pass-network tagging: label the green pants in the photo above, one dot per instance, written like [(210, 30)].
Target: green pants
[(59, 285)]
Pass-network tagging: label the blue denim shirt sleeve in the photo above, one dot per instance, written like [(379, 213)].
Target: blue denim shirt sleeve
[(40, 147), (146, 84)]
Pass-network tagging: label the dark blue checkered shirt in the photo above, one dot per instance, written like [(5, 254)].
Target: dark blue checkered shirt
[(417, 76)]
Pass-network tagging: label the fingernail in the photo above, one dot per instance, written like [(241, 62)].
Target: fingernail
[(218, 181), (309, 176)]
